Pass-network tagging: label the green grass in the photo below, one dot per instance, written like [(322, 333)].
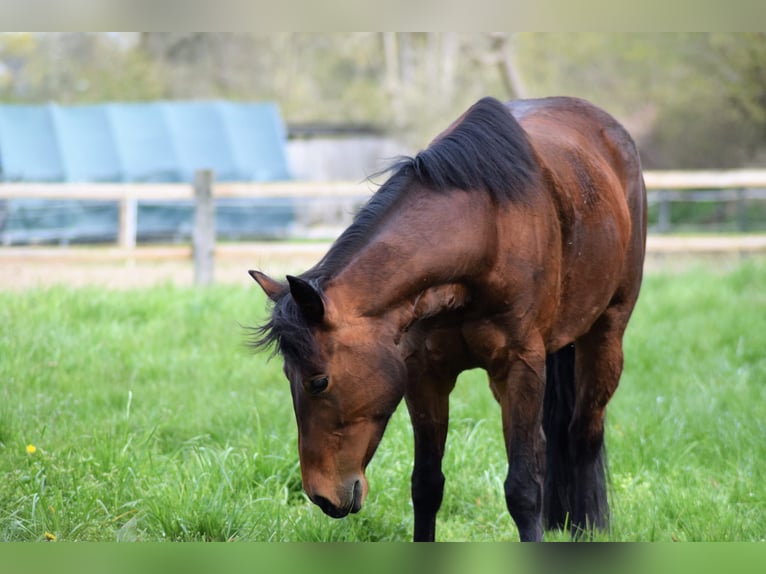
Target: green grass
[(153, 421)]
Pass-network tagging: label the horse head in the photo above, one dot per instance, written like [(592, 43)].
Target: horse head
[(345, 383)]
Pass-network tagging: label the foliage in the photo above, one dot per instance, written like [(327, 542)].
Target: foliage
[(691, 99), (141, 415), (74, 68)]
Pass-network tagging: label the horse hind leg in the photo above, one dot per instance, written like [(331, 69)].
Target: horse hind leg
[(598, 367)]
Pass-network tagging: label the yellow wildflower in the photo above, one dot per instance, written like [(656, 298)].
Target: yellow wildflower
[(50, 537), (31, 449)]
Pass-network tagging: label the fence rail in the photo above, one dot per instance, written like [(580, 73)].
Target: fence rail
[(174, 191), (705, 179), (655, 180)]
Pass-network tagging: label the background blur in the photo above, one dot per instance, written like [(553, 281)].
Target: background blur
[(79, 110), (691, 100)]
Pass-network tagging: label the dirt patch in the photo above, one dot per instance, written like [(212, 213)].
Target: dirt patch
[(40, 269), (114, 269)]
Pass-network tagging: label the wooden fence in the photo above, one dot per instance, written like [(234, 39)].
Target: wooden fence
[(128, 195), (738, 186), (663, 187)]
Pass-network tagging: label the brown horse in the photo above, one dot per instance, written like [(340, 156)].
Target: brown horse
[(514, 242)]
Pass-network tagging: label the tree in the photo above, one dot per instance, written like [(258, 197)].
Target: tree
[(15, 52)]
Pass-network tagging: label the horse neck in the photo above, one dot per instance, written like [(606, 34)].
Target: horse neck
[(429, 240)]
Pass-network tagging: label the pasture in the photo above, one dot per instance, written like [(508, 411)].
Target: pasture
[(141, 415)]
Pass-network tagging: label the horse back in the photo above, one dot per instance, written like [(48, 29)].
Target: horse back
[(572, 138)]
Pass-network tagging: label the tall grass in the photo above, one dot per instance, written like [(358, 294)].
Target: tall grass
[(142, 415)]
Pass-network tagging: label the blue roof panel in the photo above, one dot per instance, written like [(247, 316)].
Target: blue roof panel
[(86, 143), (258, 138), (201, 141), (144, 144), (28, 144)]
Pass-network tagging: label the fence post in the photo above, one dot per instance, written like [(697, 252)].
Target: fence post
[(128, 223), (741, 210), (203, 239), (663, 215)]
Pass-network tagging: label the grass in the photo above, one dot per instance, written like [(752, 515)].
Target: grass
[(151, 421)]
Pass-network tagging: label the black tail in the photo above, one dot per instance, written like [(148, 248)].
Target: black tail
[(561, 491)]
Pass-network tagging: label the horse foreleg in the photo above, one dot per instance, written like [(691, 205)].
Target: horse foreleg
[(428, 405), (520, 391)]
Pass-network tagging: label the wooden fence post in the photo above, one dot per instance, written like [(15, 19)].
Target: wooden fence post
[(203, 240), (741, 210), (128, 223), (663, 215)]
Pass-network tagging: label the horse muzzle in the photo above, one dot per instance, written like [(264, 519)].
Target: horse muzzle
[(349, 499)]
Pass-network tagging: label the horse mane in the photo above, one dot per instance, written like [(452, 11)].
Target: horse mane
[(286, 332), (485, 150)]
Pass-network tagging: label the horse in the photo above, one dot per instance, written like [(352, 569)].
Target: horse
[(514, 242)]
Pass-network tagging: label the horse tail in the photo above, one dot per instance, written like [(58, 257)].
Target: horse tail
[(560, 463)]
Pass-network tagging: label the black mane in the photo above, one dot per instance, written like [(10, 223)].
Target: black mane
[(286, 332), (486, 150)]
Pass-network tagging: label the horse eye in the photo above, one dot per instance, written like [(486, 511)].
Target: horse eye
[(318, 385)]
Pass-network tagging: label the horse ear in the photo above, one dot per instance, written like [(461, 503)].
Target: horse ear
[(272, 288), (308, 298)]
